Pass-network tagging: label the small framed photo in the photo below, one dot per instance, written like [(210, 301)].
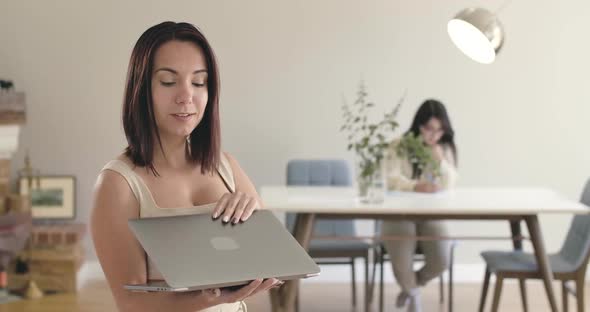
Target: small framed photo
[(52, 197)]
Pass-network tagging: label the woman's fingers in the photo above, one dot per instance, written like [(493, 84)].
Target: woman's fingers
[(230, 208), (235, 207), (241, 207), (211, 294), (252, 205), (244, 292), (266, 285), (220, 207), (256, 286), (274, 284)]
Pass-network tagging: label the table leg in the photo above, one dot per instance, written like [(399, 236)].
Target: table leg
[(282, 299), (532, 223)]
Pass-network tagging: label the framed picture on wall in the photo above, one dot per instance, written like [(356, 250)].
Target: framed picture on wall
[(52, 197)]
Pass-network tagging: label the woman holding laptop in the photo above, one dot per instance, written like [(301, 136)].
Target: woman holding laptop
[(172, 165)]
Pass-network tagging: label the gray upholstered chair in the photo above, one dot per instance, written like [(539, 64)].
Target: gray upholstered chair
[(569, 264), (326, 172)]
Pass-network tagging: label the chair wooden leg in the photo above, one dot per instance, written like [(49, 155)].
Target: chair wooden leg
[(580, 282), (353, 282), (297, 301), (564, 297), (484, 290), (367, 282), (381, 283), (523, 296), (497, 292), (542, 259), (373, 275), (451, 264), (441, 289)]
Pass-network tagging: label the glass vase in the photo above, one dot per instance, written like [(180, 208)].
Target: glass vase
[(371, 187)]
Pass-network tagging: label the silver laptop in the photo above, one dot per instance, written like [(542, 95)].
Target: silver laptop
[(195, 252)]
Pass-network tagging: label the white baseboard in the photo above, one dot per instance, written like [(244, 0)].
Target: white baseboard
[(463, 273), (90, 270)]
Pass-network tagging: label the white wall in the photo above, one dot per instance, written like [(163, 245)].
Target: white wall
[(285, 66)]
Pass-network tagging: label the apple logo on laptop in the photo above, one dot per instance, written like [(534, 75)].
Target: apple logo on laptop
[(224, 243)]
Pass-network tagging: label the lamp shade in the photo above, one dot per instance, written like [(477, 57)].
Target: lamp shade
[(477, 33)]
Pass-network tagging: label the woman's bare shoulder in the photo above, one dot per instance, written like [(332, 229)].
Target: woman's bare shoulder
[(112, 190)]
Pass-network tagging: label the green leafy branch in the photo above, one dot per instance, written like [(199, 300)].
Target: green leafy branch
[(368, 139), (413, 148)]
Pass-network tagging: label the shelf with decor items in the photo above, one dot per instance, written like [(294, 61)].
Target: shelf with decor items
[(53, 261), (15, 209)]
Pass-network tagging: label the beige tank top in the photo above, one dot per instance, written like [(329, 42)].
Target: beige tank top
[(149, 209)]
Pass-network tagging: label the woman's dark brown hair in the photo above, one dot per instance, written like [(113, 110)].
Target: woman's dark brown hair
[(139, 121), (432, 108)]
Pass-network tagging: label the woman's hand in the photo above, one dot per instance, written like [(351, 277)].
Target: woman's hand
[(235, 207), (218, 296), (426, 187)]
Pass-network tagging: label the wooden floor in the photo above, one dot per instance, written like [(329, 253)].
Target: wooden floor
[(95, 296)]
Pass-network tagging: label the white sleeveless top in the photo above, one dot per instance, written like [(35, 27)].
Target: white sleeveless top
[(149, 209)]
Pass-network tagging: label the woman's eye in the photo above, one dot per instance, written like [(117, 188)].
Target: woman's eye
[(198, 84), (166, 84)]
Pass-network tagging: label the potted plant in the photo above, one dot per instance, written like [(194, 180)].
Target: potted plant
[(369, 140)]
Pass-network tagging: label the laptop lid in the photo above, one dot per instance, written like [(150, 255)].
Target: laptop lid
[(196, 252)]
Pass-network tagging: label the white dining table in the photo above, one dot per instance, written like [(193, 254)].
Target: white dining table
[(513, 204)]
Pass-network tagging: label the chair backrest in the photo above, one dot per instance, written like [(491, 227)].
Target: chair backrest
[(576, 247), (321, 172), (318, 172)]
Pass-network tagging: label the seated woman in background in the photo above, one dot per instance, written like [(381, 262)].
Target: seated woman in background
[(433, 126)]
